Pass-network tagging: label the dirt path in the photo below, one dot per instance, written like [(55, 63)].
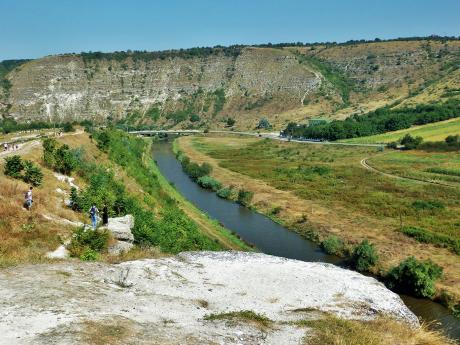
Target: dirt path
[(365, 164)]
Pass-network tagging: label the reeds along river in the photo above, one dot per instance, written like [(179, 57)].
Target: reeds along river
[(272, 238)]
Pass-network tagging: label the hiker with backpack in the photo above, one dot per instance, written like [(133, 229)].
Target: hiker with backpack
[(28, 198), (93, 212)]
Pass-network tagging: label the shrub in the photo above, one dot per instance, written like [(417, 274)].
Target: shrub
[(225, 193), (75, 200), (49, 146), (414, 277), (410, 142), (364, 256), (89, 255), (209, 183), (14, 166), (230, 122), (84, 240), (264, 124), (68, 127), (452, 139), (64, 160), (103, 141), (392, 145), (194, 118), (332, 245), (428, 205), (244, 197), (32, 174)]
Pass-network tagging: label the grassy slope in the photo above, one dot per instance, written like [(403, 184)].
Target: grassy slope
[(431, 132), (349, 201)]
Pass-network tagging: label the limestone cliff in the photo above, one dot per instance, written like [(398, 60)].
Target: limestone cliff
[(288, 83)]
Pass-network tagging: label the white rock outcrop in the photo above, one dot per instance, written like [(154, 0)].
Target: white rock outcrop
[(121, 227), (165, 301)]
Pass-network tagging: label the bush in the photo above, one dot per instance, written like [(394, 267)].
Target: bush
[(209, 183), (84, 241), (14, 166), (230, 122), (452, 140), (410, 142), (225, 193), (75, 200), (244, 197), (414, 277), (49, 146), (32, 174), (264, 124), (64, 160), (392, 145), (332, 245), (428, 205), (89, 255), (194, 118), (68, 127), (364, 256)]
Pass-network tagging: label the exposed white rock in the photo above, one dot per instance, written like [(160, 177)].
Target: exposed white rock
[(67, 179), (164, 301), (60, 253), (121, 227), (120, 246)]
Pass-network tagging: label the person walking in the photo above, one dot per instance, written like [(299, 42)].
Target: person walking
[(28, 198), (93, 212)]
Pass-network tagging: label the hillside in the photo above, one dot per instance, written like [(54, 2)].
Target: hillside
[(437, 131), (201, 87)]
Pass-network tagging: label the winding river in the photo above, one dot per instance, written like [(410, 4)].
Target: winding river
[(271, 238)]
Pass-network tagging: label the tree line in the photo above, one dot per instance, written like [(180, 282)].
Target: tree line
[(380, 121)]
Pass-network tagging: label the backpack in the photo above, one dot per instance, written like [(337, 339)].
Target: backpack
[(92, 211)]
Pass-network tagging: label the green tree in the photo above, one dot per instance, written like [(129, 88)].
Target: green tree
[(364, 256), (49, 146), (14, 166), (264, 124), (64, 160), (452, 139), (230, 122), (244, 197), (410, 142), (68, 127), (32, 174), (414, 277)]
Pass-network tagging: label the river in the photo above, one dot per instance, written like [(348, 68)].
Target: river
[(271, 238)]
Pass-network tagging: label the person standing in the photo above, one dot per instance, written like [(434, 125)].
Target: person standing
[(93, 212), (29, 198), (105, 215)]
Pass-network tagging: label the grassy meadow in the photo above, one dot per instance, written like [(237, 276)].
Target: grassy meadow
[(325, 188), (431, 132)]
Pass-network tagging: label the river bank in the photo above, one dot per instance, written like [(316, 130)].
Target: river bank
[(428, 310)]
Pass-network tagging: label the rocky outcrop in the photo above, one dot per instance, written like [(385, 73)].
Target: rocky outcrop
[(120, 227), (166, 301)]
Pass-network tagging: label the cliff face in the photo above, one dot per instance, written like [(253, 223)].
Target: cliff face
[(281, 84)]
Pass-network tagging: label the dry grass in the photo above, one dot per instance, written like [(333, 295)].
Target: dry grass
[(331, 330)]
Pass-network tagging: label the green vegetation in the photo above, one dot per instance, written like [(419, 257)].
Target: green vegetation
[(86, 244), (25, 170), (62, 159), (382, 120), (68, 127), (225, 193), (364, 256), (7, 66), (208, 182), (424, 236), (414, 277), (264, 124), (336, 77), (411, 143), (428, 205), (120, 56), (230, 122), (244, 197), (431, 132), (219, 100), (333, 245), (444, 171)]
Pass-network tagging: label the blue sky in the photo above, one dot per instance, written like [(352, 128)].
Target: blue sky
[(35, 28)]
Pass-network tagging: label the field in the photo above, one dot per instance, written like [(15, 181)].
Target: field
[(325, 188), (432, 132)]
